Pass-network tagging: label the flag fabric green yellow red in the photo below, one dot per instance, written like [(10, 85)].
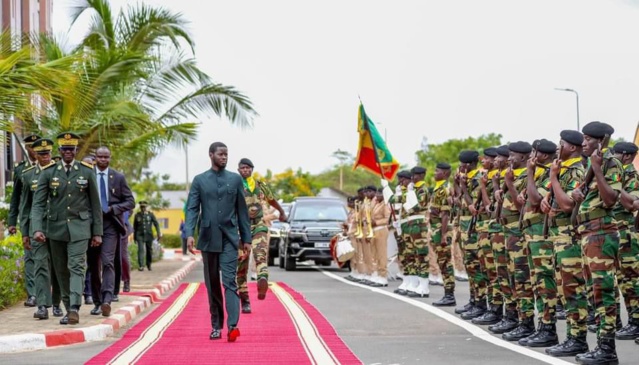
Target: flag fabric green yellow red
[(372, 152)]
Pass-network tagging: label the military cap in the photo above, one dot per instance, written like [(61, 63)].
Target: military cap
[(144, 203), (573, 137), (28, 140), (361, 190), (68, 139), (597, 129), (546, 146), (247, 162), (490, 152), (56, 158), (503, 151), (625, 148), (42, 146), (468, 156), (443, 166), (404, 174), (380, 190), (370, 187), (417, 170), (520, 147)]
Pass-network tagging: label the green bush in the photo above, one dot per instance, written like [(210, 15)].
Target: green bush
[(12, 288), (133, 254), (171, 241)]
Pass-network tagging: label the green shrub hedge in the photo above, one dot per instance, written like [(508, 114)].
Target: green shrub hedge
[(133, 254), (171, 241), (12, 288)]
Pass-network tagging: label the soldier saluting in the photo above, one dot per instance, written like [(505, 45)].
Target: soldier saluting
[(73, 218)]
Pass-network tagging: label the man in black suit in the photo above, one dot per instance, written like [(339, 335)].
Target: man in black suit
[(115, 199), (216, 204)]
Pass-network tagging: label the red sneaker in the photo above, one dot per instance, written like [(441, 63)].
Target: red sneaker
[(234, 333)]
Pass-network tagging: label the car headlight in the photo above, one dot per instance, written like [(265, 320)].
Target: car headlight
[(274, 232), (297, 234)]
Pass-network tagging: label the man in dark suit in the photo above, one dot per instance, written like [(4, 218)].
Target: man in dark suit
[(216, 202), (115, 199)]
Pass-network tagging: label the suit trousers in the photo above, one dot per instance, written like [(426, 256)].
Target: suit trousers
[(69, 263), (121, 264), (226, 262), (101, 265)]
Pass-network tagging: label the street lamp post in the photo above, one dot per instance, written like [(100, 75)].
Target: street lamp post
[(577, 95)]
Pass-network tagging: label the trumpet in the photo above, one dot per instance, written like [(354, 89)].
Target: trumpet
[(369, 221), (359, 232)]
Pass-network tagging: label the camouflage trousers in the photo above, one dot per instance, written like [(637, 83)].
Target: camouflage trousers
[(571, 281), (443, 249), (628, 273), (541, 260), (501, 284), (600, 245), (477, 279), (401, 246), (416, 241), (519, 271), (259, 249), (487, 263)]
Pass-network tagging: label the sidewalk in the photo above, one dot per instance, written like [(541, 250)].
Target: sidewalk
[(21, 332)]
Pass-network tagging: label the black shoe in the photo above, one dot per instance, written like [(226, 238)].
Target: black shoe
[(41, 313), (88, 300), (468, 306), (629, 332), (475, 311), (492, 316), (507, 324), (570, 347), (96, 311), (115, 298), (140, 268), (127, 287), (545, 336), (65, 320), (57, 311), (605, 353), (31, 302), (246, 307), (592, 328), (401, 292), (73, 316), (215, 334), (148, 268), (447, 301), (525, 329), (413, 294), (591, 319), (560, 312)]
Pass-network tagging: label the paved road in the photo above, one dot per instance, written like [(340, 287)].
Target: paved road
[(378, 326)]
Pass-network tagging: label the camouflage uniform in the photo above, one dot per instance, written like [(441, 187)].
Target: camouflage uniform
[(541, 254), (259, 231), (487, 238), (442, 245), (396, 204), (416, 231), (600, 244), (628, 273)]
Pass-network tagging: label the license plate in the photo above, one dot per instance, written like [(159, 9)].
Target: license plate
[(322, 244)]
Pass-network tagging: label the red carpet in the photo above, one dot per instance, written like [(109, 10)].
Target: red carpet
[(283, 329)]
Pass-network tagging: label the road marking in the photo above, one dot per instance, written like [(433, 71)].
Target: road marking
[(473, 329), (316, 349)]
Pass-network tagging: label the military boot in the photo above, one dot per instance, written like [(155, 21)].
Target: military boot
[(545, 336), (508, 323), (476, 311), (492, 316), (41, 313), (447, 301), (525, 329), (560, 312), (591, 319), (604, 354), (245, 303), (468, 306), (630, 331), (570, 347)]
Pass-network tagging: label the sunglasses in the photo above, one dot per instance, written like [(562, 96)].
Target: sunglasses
[(67, 148)]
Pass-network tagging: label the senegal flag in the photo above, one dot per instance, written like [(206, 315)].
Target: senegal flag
[(372, 153)]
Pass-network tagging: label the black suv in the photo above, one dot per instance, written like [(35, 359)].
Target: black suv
[(312, 223), (277, 230)]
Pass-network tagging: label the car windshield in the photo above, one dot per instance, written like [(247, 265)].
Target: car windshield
[(320, 211)]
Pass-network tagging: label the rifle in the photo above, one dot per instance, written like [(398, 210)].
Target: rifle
[(522, 211), (551, 199), (23, 148), (504, 188), (473, 220), (590, 175)]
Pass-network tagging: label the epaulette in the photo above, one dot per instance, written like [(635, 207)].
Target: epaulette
[(87, 164), (28, 168), (47, 166), (19, 163)]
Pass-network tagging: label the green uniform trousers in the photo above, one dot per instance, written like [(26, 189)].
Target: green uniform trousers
[(47, 288), (70, 264)]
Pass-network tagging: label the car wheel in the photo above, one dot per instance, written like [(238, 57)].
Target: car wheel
[(289, 263), (326, 263), (280, 256), (271, 259)]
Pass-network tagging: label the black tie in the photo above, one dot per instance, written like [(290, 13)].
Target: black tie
[(68, 167)]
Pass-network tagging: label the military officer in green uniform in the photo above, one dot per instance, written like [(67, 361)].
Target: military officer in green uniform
[(46, 283), (14, 212), (143, 224), (66, 210)]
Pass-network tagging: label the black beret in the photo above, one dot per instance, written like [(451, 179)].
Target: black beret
[(351, 199), (546, 146), (404, 174), (468, 156), (520, 147), (503, 151), (31, 138), (597, 129), (490, 152), (573, 137), (625, 148), (443, 166), (361, 190), (417, 170), (246, 161), (380, 190), (535, 143), (371, 188)]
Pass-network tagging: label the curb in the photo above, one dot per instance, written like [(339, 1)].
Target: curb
[(117, 320)]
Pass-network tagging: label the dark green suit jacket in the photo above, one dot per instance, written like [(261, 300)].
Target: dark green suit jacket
[(74, 212), (216, 201)]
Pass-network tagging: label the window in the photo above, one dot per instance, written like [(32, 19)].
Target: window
[(320, 211), (163, 222)]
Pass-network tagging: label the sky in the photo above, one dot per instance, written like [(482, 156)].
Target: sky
[(423, 69)]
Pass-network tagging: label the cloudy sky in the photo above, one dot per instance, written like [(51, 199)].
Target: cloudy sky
[(433, 69)]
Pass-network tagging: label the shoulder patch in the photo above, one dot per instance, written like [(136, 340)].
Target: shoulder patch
[(49, 165), (87, 164)]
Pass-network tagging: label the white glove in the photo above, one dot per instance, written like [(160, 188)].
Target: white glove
[(398, 190), (411, 187), (384, 183)]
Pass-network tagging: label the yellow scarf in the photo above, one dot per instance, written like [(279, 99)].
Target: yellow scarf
[(419, 184), (472, 174), (516, 172), (568, 163), (492, 173), (438, 184), (539, 170), (249, 183)]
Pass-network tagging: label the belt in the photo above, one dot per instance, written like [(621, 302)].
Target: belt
[(529, 222), (379, 228), (560, 222), (507, 220), (588, 216), (414, 217), (624, 217), (483, 217)]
